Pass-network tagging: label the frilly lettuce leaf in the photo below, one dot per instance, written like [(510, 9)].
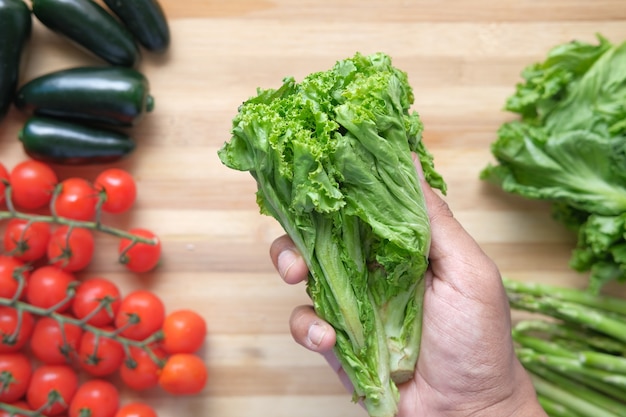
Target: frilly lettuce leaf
[(577, 167), (332, 158), (569, 147)]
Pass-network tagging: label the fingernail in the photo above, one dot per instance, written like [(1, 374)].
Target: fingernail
[(316, 334), (286, 259)]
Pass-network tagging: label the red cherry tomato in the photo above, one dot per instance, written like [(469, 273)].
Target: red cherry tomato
[(10, 270), (54, 344), (25, 240), (135, 409), (100, 356), (22, 405), (183, 373), (140, 257), (140, 372), (59, 380), (141, 313), (77, 199), (183, 332), (48, 286), (90, 295), (95, 398), (71, 249), (118, 189), (10, 318), (32, 184), (4, 180), (15, 371)]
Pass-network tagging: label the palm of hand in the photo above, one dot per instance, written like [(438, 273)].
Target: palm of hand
[(466, 350), (467, 365)]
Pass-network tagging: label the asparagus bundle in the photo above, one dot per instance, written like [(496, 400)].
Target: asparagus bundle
[(574, 350)]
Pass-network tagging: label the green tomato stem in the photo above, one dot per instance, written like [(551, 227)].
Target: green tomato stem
[(92, 225), (53, 218), (104, 304), (15, 411), (22, 307)]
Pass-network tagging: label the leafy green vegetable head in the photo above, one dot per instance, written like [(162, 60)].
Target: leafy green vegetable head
[(332, 158), (569, 146)]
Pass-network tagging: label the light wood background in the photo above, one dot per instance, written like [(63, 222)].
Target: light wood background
[(463, 58)]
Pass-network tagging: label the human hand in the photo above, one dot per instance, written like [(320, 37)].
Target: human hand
[(467, 365)]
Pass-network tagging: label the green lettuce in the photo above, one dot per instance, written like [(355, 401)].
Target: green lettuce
[(332, 159), (568, 146)]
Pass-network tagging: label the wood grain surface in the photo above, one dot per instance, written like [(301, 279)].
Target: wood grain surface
[(463, 58)]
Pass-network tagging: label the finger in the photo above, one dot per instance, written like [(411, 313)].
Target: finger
[(455, 257), (315, 334), (288, 261), (447, 234), (310, 331)]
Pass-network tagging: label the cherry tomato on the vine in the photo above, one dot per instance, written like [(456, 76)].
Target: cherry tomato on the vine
[(22, 405), (60, 380), (100, 356), (97, 294), (140, 257), (4, 179), (27, 241), (135, 409), (76, 200), (54, 344), (141, 313), (10, 321), (32, 184), (95, 398), (183, 331), (10, 270), (118, 189), (48, 286), (71, 248), (15, 372), (183, 373), (139, 371)]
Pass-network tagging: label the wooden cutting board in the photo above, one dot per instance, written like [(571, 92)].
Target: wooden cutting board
[(463, 58)]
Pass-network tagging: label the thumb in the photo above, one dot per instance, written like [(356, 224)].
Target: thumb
[(451, 245)]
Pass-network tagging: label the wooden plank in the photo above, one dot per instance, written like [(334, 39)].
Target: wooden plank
[(463, 58)]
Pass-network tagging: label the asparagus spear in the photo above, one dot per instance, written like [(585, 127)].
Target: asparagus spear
[(572, 366), (555, 409), (571, 312), (578, 389), (562, 396), (574, 335), (577, 354), (586, 298)]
